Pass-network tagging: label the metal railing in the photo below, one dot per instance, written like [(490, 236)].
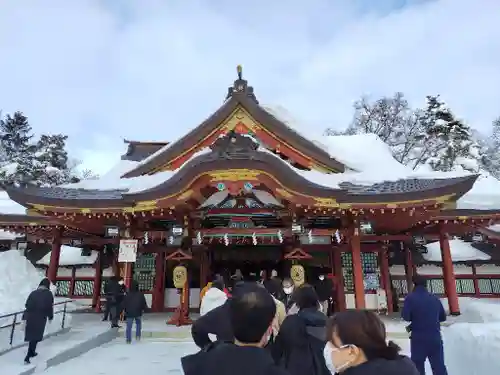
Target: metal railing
[(18, 321)]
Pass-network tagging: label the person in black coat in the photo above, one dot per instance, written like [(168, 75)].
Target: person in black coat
[(215, 322), (324, 289), (134, 305), (39, 308), (298, 347), (251, 311), (425, 313), (116, 293), (108, 295), (357, 345)]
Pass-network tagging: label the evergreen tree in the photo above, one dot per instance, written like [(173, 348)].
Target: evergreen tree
[(447, 140), (52, 160), (17, 150)]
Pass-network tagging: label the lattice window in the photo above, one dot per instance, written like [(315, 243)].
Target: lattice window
[(346, 259), (495, 286), (63, 287), (484, 286), (401, 287), (371, 270), (465, 286), (435, 286), (84, 288), (144, 271)]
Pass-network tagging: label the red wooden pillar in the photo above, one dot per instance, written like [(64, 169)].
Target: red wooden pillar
[(55, 253), (96, 295), (474, 280), (386, 278), (339, 277), (72, 283), (408, 267), (159, 288), (127, 274), (357, 269), (449, 276)]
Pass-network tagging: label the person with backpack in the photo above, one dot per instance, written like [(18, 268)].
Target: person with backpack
[(134, 305), (357, 345), (298, 347)]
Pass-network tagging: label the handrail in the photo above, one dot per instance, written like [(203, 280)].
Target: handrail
[(16, 322)]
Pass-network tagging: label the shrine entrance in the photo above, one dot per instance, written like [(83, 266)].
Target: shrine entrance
[(250, 260)]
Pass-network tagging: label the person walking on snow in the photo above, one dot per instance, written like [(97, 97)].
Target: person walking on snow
[(214, 297), (425, 313), (39, 308), (134, 305)]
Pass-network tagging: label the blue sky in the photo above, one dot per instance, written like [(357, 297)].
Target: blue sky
[(104, 70)]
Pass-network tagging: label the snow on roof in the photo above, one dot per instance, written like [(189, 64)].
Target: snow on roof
[(460, 252), (8, 206), (494, 227), (112, 180), (70, 256)]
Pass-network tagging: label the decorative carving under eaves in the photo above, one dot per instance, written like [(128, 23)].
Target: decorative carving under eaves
[(234, 146)]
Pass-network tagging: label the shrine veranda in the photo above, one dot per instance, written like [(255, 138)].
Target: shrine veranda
[(243, 190)]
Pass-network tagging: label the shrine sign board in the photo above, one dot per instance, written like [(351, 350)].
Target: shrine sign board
[(128, 251)]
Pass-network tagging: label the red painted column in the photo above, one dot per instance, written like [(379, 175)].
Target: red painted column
[(357, 269), (408, 267), (127, 274), (72, 283), (449, 276), (96, 295), (339, 277), (474, 280), (159, 288), (386, 278), (55, 253)]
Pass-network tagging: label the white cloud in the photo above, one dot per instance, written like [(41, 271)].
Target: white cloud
[(101, 70)]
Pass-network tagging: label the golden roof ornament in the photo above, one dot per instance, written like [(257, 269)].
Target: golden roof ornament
[(239, 69)]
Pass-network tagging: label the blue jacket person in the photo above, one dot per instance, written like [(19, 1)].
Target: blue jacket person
[(425, 313)]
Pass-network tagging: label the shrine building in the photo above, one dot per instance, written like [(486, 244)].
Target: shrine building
[(244, 190)]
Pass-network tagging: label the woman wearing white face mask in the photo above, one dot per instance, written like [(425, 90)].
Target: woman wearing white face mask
[(357, 345), (286, 297)]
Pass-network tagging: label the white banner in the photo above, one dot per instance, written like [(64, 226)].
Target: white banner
[(128, 251)]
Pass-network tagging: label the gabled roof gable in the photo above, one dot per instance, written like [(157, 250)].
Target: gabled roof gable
[(241, 111)]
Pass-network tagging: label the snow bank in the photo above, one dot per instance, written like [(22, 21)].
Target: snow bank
[(460, 252), (472, 341), (70, 256), (18, 278)]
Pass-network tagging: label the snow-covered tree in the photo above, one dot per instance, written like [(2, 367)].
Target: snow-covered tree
[(18, 151), (51, 160), (447, 141)]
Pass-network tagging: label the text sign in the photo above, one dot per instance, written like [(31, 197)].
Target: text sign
[(128, 251)]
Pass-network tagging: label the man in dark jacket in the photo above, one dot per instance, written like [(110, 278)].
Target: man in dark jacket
[(39, 308), (425, 313), (324, 288), (215, 322), (116, 295), (251, 312), (134, 305), (107, 294)]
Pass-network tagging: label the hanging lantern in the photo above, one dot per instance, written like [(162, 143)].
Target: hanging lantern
[(297, 274), (180, 276)]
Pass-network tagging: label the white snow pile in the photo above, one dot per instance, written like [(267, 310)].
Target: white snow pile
[(18, 278), (460, 252), (70, 256), (472, 343)]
